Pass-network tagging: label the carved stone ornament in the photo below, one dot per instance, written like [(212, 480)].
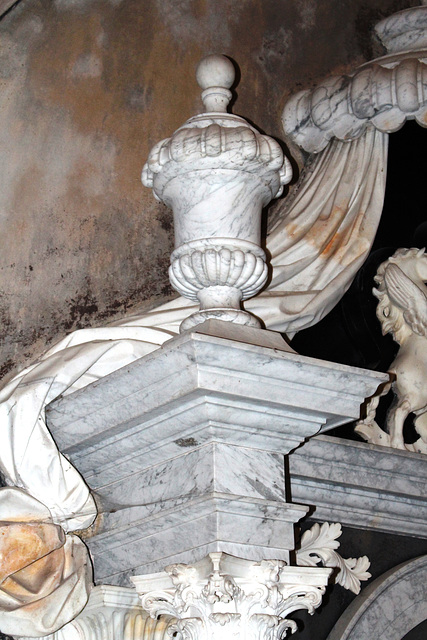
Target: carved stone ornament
[(113, 613), (402, 311), (319, 544), (383, 93), (318, 242), (226, 597), (389, 608), (217, 173)]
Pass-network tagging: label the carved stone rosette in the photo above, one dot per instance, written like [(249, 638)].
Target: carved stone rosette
[(217, 173), (226, 597)]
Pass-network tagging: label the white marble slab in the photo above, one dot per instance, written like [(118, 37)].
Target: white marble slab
[(313, 394), (362, 485), (247, 528)]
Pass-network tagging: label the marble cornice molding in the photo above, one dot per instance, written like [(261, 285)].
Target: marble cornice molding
[(172, 443), (383, 93), (361, 485)]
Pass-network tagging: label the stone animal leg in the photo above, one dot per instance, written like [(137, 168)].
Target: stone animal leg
[(396, 417), (421, 425)]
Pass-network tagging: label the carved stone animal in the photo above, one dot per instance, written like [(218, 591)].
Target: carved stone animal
[(402, 311)]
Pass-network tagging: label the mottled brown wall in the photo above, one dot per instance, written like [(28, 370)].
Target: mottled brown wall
[(87, 87)]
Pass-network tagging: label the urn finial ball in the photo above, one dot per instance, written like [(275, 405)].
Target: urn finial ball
[(215, 75), (215, 71)]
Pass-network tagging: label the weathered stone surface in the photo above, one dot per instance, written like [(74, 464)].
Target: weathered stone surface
[(87, 88)]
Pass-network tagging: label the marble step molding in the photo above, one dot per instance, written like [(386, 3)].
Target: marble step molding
[(361, 485), (185, 447)]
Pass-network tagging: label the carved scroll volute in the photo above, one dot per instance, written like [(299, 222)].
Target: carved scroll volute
[(226, 598), (217, 173)]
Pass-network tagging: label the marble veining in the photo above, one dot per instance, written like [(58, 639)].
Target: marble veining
[(217, 173), (389, 608), (197, 454), (383, 93), (361, 485)]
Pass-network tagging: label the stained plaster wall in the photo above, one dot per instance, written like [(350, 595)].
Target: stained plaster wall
[(87, 88)]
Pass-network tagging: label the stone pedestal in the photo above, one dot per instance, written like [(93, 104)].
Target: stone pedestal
[(185, 448)]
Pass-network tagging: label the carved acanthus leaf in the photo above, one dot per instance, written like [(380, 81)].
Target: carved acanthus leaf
[(226, 597), (318, 545)]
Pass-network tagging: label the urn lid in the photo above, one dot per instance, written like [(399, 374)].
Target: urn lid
[(216, 139)]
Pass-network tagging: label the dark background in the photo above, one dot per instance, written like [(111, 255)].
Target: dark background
[(351, 333)]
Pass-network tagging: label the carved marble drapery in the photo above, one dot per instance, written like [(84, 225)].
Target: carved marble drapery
[(325, 231), (340, 114), (319, 240), (45, 574), (47, 583)]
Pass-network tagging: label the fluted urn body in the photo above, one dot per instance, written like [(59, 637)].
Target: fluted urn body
[(217, 173)]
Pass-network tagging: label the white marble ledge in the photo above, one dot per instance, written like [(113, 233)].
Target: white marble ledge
[(195, 365), (188, 530), (362, 485)]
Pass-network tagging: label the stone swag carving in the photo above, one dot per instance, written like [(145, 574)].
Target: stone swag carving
[(402, 311), (383, 93), (320, 237)]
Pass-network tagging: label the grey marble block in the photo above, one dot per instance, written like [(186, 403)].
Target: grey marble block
[(204, 387), (362, 485), (184, 448), (254, 530)]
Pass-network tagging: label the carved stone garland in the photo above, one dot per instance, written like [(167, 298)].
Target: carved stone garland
[(383, 93)]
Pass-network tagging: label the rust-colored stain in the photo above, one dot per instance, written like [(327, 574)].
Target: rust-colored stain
[(87, 90), (331, 225), (32, 550)]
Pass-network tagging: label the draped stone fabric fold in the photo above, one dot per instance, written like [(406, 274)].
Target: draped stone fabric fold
[(45, 574), (321, 238), (29, 458), (324, 232)]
